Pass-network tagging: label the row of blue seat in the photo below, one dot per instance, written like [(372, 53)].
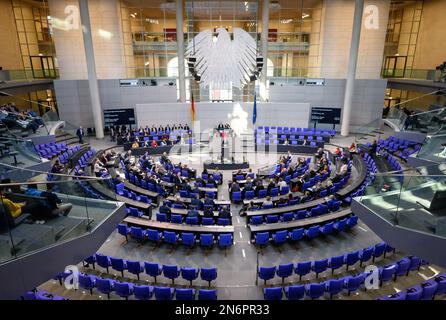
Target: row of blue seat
[(152, 269), (427, 290), (280, 237), (318, 266), (178, 219), (206, 240), (41, 295), (279, 129), (349, 283), (141, 292)]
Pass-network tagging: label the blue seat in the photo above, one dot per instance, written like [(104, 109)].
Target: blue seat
[(204, 294), (386, 273), (188, 239), (274, 192), (273, 293), (138, 233), (414, 293), (206, 240), (334, 286), (272, 218), (153, 269), (208, 274), (395, 296), (105, 286), (249, 195), (192, 220), (171, 272), (280, 237), (415, 263), (379, 250), (123, 230), (206, 221), (161, 217), (189, 274), (267, 273), (302, 269), (319, 266), (225, 240), (142, 292), (388, 249), (429, 290), (353, 283), (296, 234), (176, 218), (287, 217), (185, 294), (335, 263), (170, 237), (135, 267), (352, 221), (118, 264), (223, 222), (340, 225), (237, 196), (351, 258), (315, 290), (365, 255), (255, 220), (312, 232), (262, 193), (327, 228), (295, 292), (261, 238), (154, 235), (103, 261), (87, 282), (123, 289), (285, 271), (164, 293), (402, 268)]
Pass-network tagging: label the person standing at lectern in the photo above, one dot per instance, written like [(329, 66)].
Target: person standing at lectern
[(80, 134)]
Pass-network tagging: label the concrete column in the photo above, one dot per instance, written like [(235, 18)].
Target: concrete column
[(264, 41), (91, 69), (180, 44), (351, 71)]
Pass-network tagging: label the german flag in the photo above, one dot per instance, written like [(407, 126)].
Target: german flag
[(192, 106)]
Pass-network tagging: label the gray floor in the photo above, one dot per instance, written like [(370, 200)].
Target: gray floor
[(237, 269)]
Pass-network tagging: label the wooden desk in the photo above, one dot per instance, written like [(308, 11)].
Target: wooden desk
[(361, 167), (304, 223), (154, 195), (166, 226), (145, 207), (189, 200), (273, 199), (183, 212), (296, 207)]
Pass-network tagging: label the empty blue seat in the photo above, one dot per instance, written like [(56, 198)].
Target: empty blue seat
[(188, 239), (176, 218), (87, 282), (272, 218), (285, 271), (225, 240), (161, 217), (123, 230), (351, 258), (319, 266), (255, 220), (118, 265), (402, 267), (189, 274), (123, 289), (273, 293), (312, 232), (334, 286), (261, 238), (185, 294), (335, 263), (153, 269), (296, 234), (154, 235), (280, 237), (164, 293), (171, 272), (327, 228), (295, 292), (302, 269), (267, 273), (204, 294), (170, 237), (386, 273), (365, 255), (103, 261), (237, 196), (208, 274), (135, 267), (206, 240), (105, 286), (414, 293), (353, 283), (142, 292), (379, 250), (315, 290)]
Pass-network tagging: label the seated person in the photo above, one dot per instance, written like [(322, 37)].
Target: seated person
[(197, 202), (306, 197), (281, 183), (164, 208), (208, 212), (57, 167), (192, 213), (179, 204), (208, 201), (98, 168), (54, 203), (224, 212), (154, 144), (135, 145), (267, 202)]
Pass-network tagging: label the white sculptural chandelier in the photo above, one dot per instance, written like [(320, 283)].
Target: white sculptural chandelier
[(221, 62)]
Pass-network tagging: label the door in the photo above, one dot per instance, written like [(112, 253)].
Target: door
[(43, 67), (394, 67)]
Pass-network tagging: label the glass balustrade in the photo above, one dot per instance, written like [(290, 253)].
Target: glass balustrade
[(29, 221), (410, 200)]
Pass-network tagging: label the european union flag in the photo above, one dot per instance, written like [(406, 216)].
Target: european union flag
[(254, 112)]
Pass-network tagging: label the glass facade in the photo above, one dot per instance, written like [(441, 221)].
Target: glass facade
[(401, 39), (33, 23)]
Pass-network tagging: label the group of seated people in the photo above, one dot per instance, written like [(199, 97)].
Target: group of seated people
[(207, 205), (39, 211), (151, 137), (10, 115)]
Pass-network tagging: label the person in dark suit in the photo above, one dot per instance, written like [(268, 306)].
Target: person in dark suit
[(224, 212), (80, 134), (208, 201), (197, 202)]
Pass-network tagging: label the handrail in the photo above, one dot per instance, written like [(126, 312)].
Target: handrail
[(430, 111)]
